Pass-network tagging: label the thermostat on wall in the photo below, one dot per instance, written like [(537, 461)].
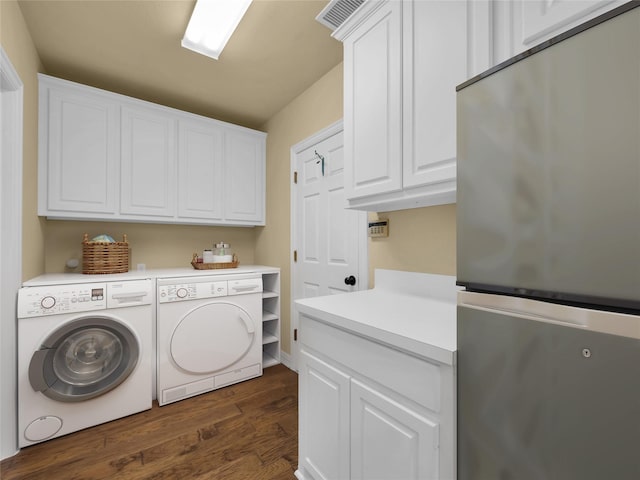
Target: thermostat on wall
[(379, 228)]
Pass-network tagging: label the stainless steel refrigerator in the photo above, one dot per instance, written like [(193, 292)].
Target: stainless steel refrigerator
[(548, 362)]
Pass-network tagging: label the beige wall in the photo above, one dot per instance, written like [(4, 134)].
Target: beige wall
[(16, 42), (313, 110), (157, 246), (420, 240)]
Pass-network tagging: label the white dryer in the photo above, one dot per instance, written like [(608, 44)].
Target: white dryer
[(84, 356), (209, 333)]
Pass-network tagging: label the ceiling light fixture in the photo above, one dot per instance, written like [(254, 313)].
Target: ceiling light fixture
[(212, 24)]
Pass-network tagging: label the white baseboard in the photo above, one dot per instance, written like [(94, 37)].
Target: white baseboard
[(285, 359)]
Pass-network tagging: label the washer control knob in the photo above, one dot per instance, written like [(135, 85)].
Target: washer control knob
[(181, 292), (48, 302)]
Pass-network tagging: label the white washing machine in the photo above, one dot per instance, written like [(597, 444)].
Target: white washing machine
[(84, 356), (209, 333)]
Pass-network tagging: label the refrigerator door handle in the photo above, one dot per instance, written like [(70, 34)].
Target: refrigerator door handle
[(516, 312), (575, 317)]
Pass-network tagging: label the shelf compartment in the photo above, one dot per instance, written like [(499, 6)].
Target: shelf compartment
[(268, 316), (268, 360), (268, 338)]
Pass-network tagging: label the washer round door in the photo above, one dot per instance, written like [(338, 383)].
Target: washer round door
[(84, 359), (212, 337)]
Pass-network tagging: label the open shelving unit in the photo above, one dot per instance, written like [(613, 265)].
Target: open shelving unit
[(270, 317)]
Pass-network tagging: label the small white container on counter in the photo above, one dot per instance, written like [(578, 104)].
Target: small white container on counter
[(207, 257)]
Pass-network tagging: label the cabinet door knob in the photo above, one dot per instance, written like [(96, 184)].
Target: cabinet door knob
[(350, 280)]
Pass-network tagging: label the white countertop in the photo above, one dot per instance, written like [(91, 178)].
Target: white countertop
[(72, 278), (411, 311)]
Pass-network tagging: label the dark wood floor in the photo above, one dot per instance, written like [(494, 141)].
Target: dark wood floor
[(244, 431)]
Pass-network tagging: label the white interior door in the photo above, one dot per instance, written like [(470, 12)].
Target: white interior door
[(330, 241)]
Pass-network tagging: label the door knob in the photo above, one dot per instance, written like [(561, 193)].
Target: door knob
[(350, 280)]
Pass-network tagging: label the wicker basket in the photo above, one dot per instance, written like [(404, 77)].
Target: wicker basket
[(105, 257), (211, 266)]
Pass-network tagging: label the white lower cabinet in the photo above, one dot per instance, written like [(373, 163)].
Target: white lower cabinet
[(368, 411), (389, 440), (324, 419)]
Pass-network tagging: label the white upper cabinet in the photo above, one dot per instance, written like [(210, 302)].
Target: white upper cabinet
[(148, 162), (373, 104), (430, 74), (523, 24), (81, 136), (244, 176), (104, 156), (402, 62), (200, 182)]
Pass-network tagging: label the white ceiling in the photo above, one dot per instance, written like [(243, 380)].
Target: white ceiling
[(133, 47)]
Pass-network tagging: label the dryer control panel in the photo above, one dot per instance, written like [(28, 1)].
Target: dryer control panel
[(191, 291), (54, 299), (198, 288)]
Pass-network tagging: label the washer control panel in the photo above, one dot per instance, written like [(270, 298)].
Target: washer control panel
[(191, 291), (54, 299)]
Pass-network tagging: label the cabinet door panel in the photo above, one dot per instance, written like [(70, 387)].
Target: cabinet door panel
[(148, 163), (534, 21), (324, 419), (373, 110), (82, 151), (388, 440), (200, 181), (244, 178), (431, 74)]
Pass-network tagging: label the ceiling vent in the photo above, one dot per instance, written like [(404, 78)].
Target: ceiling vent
[(337, 11)]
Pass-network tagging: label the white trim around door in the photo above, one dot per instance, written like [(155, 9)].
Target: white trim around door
[(11, 105)]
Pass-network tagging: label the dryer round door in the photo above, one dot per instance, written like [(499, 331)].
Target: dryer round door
[(212, 337), (84, 359)]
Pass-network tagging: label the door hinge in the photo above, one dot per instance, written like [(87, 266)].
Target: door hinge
[(295, 255), (295, 334), (295, 177)]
